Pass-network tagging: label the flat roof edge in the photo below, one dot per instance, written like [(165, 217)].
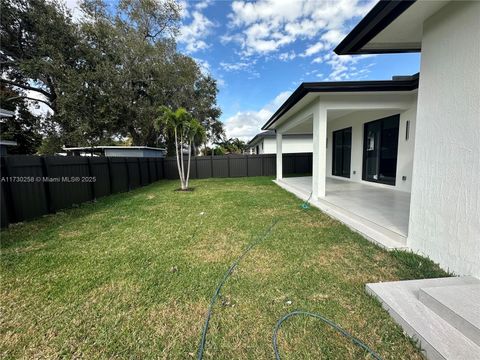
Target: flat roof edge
[(381, 15), (407, 84)]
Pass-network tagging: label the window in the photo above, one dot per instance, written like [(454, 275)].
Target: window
[(342, 151), (380, 150)]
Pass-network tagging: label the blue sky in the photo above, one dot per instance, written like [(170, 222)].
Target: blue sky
[(261, 51)]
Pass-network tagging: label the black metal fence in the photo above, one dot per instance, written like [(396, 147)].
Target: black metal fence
[(32, 186)]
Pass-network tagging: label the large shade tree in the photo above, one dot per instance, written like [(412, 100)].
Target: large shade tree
[(104, 75)]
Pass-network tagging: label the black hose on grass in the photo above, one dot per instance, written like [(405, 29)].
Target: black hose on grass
[(343, 332), (232, 267), (305, 206)]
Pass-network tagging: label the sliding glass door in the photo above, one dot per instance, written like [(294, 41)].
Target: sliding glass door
[(342, 151), (380, 147)]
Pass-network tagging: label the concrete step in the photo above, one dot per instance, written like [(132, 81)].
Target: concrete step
[(459, 305), (436, 336)]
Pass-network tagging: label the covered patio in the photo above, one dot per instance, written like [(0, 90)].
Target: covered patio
[(380, 214), (363, 142)]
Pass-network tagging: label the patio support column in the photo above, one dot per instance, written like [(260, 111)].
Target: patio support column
[(319, 170), (279, 156)]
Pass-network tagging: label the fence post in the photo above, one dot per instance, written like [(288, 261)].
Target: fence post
[(262, 165), (228, 165), (163, 168), (246, 159), (140, 177), (90, 174), (196, 167), (46, 184), (9, 216), (211, 164), (128, 173)]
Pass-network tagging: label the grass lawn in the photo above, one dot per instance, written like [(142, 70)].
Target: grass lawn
[(131, 276)]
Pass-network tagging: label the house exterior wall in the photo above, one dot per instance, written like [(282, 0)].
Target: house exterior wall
[(133, 153), (124, 152), (356, 121), (290, 144), (445, 198)]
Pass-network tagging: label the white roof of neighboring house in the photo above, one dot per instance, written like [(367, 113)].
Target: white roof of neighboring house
[(113, 147), (8, 143), (6, 113)]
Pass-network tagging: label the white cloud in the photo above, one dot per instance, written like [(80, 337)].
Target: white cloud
[(184, 13), (344, 67), (192, 35), (201, 5), (313, 49), (287, 56), (246, 66), (246, 124), (203, 65), (74, 7), (266, 26), (234, 66), (333, 37)]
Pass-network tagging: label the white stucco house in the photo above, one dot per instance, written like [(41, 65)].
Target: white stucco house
[(266, 143), (116, 151), (399, 160)]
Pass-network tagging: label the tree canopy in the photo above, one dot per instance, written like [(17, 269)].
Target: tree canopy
[(104, 75)]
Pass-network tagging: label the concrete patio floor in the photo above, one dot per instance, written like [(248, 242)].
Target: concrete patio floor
[(378, 213)]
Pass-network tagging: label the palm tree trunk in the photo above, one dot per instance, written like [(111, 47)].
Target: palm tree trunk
[(178, 158), (188, 166), (181, 162)]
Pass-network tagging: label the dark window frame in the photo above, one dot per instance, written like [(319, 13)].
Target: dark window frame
[(364, 163), (342, 131)]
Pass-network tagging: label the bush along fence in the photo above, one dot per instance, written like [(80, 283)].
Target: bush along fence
[(32, 186)]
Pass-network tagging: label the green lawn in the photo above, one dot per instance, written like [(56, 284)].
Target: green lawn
[(131, 276)]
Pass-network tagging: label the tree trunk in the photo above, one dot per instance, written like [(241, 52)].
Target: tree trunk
[(181, 162), (177, 156), (188, 166)]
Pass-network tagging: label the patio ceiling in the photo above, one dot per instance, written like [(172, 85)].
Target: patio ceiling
[(306, 127)]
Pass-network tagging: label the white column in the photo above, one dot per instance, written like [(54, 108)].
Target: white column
[(279, 156), (319, 170)]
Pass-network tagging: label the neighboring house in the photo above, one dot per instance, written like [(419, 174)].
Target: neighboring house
[(266, 143), (4, 144), (399, 160), (6, 113), (116, 151)]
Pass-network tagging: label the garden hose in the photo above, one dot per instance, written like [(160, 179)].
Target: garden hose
[(229, 272), (353, 339), (305, 205)]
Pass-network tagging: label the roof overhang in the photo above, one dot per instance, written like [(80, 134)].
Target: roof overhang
[(306, 90), (259, 137), (392, 26)]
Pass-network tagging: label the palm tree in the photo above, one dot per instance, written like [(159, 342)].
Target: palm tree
[(186, 129)]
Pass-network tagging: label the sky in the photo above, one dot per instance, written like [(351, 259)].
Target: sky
[(261, 51)]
